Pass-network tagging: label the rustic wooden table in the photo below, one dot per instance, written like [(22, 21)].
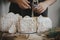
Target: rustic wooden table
[(23, 37)]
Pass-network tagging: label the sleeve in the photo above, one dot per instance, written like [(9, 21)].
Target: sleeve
[(41, 0)]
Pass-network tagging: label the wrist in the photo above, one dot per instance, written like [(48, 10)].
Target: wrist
[(46, 3)]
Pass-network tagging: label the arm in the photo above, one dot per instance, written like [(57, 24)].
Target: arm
[(50, 2)]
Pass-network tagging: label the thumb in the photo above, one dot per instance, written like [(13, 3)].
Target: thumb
[(27, 1)]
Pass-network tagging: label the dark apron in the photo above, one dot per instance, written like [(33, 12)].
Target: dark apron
[(16, 9)]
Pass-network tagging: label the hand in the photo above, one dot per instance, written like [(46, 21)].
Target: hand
[(24, 4), (41, 7)]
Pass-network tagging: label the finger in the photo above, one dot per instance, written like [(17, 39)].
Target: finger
[(34, 9), (39, 10), (42, 11), (23, 6), (27, 1), (26, 4), (38, 6)]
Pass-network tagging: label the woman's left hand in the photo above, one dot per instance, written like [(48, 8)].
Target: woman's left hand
[(41, 7)]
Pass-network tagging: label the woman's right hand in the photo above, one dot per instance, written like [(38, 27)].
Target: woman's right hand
[(24, 4)]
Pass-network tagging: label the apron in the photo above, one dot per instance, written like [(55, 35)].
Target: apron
[(16, 9)]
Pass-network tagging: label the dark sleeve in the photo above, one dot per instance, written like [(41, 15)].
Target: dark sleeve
[(41, 0), (12, 1)]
